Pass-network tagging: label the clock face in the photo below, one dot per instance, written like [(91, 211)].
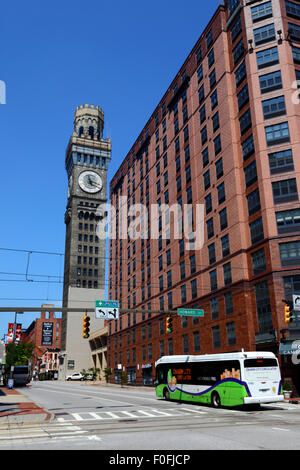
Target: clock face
[(90, 182)]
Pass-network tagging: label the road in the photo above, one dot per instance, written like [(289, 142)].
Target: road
[(112, 418)]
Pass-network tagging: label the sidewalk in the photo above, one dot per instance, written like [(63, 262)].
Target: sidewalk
[(17, 408)]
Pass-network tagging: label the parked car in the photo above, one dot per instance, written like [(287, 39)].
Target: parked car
[(75, 376), (88, 377)]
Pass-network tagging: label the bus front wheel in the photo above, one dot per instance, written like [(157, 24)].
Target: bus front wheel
[(215, 400), (166, 394)]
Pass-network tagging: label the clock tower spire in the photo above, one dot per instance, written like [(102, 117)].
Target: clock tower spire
[(87, 158)]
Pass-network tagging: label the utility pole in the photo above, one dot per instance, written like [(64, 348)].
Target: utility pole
[(11, 375)]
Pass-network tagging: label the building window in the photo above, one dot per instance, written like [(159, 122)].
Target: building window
[(210, 228), (258, 262), (264, 34), (236, 29), (277, 134), (208, 204), (285, 191), (227, 274), (245, 121), (228, 300), (211, 58), (231, 337), (214, 100), (253, 201), (238, 52), (212, 79), (212, 253), (196, 341), (291, 286), (261, 12), (270, 82), (263, 307), (288, 221), (217, 145), (214, 306), (250, 174), (267, 57), (248, 147), (223, 219), (274, 107), (185, 344), (216, 337), (256, 231), (201, 94), (294, 31), (243, 97), (281, 162), (202, 114), (289, 253), (194, 288), (225, 245), (240, 74), (213, 280), (221, 193), (296, 54), (193, 264)]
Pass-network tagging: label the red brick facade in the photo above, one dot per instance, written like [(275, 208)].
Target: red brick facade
[(216, 139), (45, 333)]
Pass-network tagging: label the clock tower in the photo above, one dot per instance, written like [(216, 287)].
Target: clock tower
[(87, 158)]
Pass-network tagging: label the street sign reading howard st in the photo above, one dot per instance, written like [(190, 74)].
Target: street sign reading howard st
[(189, 312), (107, 309)]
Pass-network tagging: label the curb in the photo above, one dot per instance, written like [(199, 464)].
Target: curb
[(22, 410)]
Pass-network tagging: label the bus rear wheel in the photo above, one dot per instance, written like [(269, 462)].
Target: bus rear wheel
[(215, 400), (166, 394)]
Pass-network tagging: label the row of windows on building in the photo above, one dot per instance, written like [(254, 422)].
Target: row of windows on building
[(187, 347)]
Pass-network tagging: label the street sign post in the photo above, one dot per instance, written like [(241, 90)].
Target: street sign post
[(296, 302), (189, 312), (107, 309)]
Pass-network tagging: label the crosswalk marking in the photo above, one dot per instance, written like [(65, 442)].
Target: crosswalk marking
[(127, 413), (149, 413), (77, 416), (194, 411)]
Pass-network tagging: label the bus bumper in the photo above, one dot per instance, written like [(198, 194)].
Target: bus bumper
[(269, 399)]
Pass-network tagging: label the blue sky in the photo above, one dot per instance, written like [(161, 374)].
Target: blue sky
[(55, 56)]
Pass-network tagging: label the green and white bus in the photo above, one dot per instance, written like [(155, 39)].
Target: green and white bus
[(229, 379)]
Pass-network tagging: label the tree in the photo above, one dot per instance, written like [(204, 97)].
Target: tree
[(107, 374), (19, 354)]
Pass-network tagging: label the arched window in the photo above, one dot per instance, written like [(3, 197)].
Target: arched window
[(91, 131), (80, 131)]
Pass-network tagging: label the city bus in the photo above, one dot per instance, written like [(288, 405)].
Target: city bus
[(229, 379)]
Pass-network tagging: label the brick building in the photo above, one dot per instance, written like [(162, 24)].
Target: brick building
[(226, 135), (45, 333)]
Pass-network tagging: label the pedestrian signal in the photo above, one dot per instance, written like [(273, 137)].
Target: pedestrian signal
[(86, 327), (169, 325)]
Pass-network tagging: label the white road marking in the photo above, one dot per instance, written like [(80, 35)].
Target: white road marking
[(194, 411), (281, 429)]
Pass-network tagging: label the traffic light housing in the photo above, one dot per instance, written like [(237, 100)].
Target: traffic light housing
[(169, 325), (287, 314), (86, 327)]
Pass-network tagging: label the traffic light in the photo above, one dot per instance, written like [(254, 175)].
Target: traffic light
[(169, 325), (287, 313), (86, 327)]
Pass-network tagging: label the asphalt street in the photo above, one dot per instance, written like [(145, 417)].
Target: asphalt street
[(100, 417)]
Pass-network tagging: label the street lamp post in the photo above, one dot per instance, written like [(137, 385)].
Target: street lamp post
[(13, 351)]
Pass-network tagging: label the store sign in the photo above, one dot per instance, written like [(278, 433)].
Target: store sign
[(47, 334)]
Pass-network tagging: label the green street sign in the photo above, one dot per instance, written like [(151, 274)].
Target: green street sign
[(188, 312)]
